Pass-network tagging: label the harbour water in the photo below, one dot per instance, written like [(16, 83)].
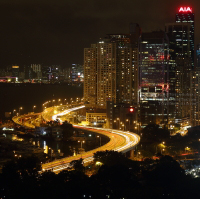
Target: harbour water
[(58, 149), (14, 96)]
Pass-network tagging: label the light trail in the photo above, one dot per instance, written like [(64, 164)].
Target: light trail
[(121, 141), (54, 117)]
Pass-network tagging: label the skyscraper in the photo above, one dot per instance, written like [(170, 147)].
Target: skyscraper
[(100, 74), (181, 63), (198, 86), (185, 15), (90, 75), (111, 69), (154, 78)]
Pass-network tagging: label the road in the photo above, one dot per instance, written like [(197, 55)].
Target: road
[(121, 141)]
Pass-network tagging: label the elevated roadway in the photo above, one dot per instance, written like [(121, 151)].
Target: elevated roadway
[(121, 141)]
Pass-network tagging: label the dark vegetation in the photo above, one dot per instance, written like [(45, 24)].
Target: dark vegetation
[(117, 178), (152, 136)]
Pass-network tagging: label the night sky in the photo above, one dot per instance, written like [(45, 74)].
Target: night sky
[(56, 31)]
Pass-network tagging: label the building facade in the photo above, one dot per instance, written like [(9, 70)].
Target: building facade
[(111, 69), (154, 78)]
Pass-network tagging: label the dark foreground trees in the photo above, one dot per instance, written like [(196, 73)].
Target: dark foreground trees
[(117, 178)]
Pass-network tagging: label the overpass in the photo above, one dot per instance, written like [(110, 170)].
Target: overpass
[(121, 141)]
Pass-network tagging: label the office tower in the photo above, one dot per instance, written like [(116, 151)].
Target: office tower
[(181, 50), (185, 15), (198, 86), (198, 56), (28, 72), (77, 73), (15, 71), (154, 78), (180, 36), (36, 67), (52, 72), (180, 60), (37, 72)]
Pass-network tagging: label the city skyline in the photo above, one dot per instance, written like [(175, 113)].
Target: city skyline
[(57, 32)]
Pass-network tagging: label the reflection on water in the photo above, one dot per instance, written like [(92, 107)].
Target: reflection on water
[(53, 148), (15, 138)]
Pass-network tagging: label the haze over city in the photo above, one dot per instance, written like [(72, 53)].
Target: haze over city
[(100, 99), (56, 32)]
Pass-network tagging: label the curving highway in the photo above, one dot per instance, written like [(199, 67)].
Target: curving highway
[(121, 141)]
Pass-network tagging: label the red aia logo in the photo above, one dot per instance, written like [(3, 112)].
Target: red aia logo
[(131, 110), (185, 9)]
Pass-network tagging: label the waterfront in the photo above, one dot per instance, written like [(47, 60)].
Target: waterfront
[(14, 96), (53, 148)]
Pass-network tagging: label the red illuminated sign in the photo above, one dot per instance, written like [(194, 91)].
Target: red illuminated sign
[(185, 9), (131, 110)]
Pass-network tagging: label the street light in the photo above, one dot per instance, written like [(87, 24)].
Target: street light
[(162, 150), (118, 123), (33, 108), (99, 139), (51, 152), (186, 149), (123, 126), (127, 120), (53, 102), (14, 111), (81, 143), (20, 108)]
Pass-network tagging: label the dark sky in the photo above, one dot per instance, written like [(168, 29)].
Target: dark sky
[(56, 31)]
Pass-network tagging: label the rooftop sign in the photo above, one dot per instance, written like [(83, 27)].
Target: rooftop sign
[(185, 9)]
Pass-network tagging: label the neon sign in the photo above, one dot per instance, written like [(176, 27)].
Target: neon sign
[(185, 9)]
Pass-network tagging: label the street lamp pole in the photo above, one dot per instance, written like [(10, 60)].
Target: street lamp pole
[(99, 139), (51, 153), (123, 126), (14, 111), (114, 141), (128, 120), (20, 108), (81, 146), (33, 108), (118, 123), (81, 143)]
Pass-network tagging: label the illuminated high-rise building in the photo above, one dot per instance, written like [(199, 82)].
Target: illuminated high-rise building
[(15, 71), (185, 15), (154, 78), (106, 73), (198, 86), (181, 63), (90, 75), (111, 69)]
